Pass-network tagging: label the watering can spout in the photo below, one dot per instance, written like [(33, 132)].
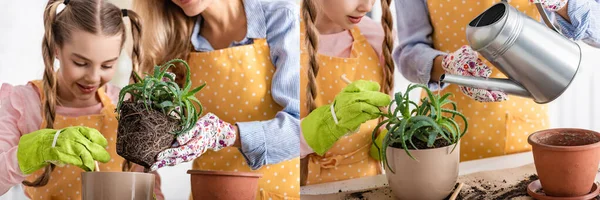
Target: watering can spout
[(496, 84)]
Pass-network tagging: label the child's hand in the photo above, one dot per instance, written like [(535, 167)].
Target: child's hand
[(466, 62), (357, 103), (79, 146), (210, 132), (551, 5)]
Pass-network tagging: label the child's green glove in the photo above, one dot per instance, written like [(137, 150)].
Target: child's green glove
[(77, 145), (375, 152), (358, 103)]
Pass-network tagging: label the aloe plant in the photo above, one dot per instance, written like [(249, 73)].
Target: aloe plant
[(160, 92), (427, 122)]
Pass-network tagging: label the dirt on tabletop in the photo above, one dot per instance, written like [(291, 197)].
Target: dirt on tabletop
[(498, 184)]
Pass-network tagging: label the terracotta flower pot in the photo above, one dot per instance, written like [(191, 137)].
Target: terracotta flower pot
[(432, 176), (566, 160), (221, 185), (117, 185)]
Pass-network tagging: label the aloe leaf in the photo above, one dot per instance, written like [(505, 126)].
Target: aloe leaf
[(461, 116)]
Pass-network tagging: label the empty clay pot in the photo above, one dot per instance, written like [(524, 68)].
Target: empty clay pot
[(432, 176), (566, 160), (117, 185), (221, 185)]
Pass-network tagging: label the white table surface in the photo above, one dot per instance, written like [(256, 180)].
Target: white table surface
[(341, 189), (372, 182), (332, 190)]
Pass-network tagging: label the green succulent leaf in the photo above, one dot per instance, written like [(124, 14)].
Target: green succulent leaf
[(427, 120), (166, 96)]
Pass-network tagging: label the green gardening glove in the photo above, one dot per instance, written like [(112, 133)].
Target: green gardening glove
[(376, 152), (358, 103), (77, 145)]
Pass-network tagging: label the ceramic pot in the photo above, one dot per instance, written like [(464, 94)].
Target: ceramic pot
[(566, 160), (117, 185), (432, 176), (222, 185)]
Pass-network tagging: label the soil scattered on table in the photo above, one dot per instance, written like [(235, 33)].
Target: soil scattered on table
[(473, 190), (482, 189), (370, 194)]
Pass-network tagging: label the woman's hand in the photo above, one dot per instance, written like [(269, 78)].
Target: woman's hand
[(465, 62), (210, 132)]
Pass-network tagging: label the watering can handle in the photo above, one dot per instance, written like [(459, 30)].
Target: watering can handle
[(544, 16)]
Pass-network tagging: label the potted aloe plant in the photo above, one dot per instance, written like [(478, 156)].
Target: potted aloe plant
[(419, 150), (156, 113)]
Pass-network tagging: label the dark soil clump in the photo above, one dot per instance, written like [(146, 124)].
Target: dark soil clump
[(142, 133)]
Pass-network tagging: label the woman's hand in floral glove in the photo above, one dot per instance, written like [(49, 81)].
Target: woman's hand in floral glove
[(465, 62), (210, 132)]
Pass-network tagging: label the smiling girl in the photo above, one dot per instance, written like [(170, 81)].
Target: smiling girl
[(68, 117)]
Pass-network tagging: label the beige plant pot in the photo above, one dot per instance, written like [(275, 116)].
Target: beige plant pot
[(117, 185), (432, 176)]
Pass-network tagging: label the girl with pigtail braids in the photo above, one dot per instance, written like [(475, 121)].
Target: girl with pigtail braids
[(67, 119), (347, 74)]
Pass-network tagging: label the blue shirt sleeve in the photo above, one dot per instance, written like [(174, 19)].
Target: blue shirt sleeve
[(414, 55), (585, 21), (278, 139)]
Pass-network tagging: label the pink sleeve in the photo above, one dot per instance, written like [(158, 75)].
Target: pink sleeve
[(19, 114)]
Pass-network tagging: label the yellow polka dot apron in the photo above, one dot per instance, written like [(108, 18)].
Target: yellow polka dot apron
[(65, 182), (238, 88), (494, 128), (349, 157)]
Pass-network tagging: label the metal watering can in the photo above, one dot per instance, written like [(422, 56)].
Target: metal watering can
[(539, 62)]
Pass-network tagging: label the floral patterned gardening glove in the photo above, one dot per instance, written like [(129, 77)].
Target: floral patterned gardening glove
[(210, 132), (466, 62), (551, 5)]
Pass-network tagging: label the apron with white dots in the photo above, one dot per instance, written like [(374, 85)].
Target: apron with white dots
[(65, 182), (494, 128), (238, 88)]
